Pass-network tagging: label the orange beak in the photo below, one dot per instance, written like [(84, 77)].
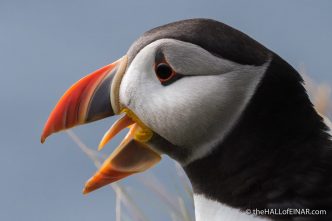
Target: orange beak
[(95, 97)]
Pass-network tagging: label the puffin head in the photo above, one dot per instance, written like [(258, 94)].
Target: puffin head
[(180, 89)]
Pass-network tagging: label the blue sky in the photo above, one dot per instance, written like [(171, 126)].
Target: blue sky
[(45, 46)]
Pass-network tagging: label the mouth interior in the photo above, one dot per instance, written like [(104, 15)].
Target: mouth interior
[(131, 156), (138, 130)]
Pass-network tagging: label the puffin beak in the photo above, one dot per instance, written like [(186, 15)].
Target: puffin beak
[(95, 97)]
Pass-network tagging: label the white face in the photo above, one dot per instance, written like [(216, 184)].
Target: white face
[(196, 111)]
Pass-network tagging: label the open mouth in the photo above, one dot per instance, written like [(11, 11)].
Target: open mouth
[(133, 155), (95, 97)]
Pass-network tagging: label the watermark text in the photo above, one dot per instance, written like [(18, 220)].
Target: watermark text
[(286, 212)]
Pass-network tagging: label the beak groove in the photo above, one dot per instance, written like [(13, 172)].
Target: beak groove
[(87, 100)]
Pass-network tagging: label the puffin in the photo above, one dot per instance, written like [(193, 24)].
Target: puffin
[(233, 113)]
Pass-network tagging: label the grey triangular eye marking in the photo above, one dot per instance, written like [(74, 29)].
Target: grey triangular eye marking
[(159, 57)]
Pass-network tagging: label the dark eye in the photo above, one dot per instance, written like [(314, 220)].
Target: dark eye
[(164, 72)]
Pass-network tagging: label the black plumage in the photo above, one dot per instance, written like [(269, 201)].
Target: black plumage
[(215, 37)]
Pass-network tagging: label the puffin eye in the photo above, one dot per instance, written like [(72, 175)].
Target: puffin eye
[(164, 72)]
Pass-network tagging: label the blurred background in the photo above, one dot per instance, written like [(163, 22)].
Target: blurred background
[(45, 46)]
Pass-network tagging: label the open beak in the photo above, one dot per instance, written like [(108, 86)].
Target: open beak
[(95, 97)]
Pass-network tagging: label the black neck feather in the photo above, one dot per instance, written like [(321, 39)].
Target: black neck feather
[(277, 156)]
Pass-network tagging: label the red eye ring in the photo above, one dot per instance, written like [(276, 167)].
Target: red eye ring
[(164, 72)]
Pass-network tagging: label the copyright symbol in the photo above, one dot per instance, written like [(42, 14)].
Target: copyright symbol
[(248, 211)]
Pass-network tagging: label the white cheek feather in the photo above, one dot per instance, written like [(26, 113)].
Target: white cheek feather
[(194, 112), (231, 94), (206, 209)]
